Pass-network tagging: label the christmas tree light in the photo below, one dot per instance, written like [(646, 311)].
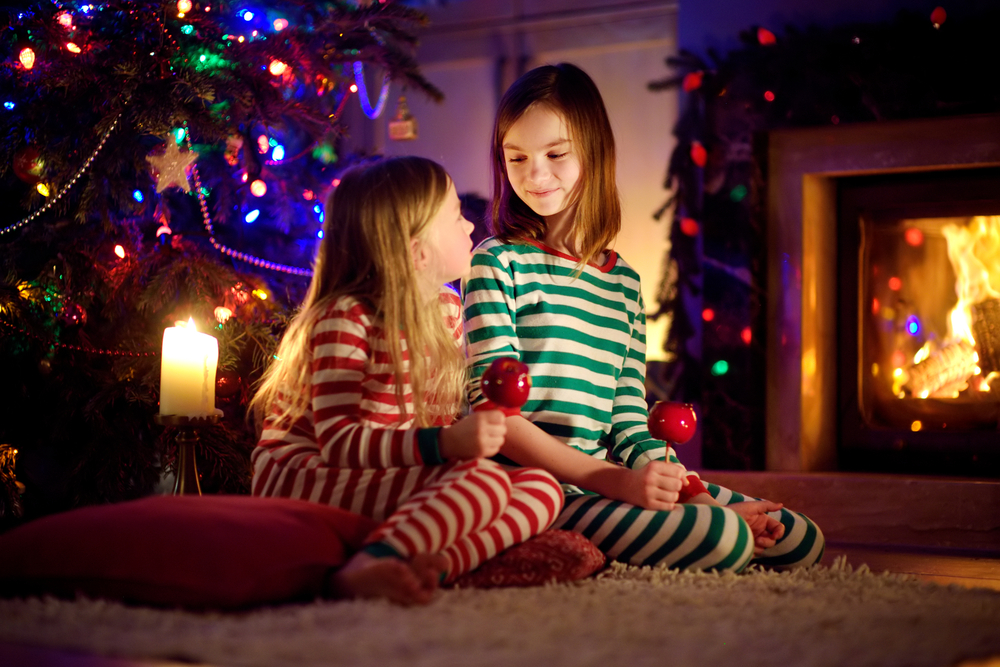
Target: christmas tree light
[(142, 138)]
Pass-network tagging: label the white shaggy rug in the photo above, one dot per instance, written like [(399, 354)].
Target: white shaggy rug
[(626, 616)]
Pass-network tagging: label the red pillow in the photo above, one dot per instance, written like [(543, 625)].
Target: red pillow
[(192, 551)]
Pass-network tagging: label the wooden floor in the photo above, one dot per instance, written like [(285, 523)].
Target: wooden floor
[(961, 570)]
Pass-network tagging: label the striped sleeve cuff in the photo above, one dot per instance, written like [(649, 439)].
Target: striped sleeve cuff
[(428, 446)]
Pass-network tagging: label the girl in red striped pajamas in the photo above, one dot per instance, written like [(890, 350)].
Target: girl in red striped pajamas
[(352, 418)]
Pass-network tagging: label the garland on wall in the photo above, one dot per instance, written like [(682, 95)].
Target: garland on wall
[(713, 289)]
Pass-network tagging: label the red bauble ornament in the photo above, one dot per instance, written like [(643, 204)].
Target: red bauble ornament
[(765, 37), (507, 382), (698, 154), (28, 165), (692, 81), (73, 315), (227, 384), (938, 16), (672, 421)]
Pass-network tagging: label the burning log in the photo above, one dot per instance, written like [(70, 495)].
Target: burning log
[(946, 371), (986, 329)]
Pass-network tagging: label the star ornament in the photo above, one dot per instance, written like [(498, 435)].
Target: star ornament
[(172, 166)]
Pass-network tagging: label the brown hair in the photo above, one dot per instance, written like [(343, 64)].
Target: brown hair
[(568, 91), (370, 219)]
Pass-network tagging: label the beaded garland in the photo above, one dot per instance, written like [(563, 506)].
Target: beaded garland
[(72, 181)]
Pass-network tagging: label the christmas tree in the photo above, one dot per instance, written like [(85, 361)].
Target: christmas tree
[(162, 161)]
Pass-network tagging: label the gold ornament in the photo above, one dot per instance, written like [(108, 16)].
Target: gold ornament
[(404, 126), (172, 166)]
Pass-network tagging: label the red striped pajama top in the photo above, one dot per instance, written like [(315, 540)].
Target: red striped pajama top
[(349, 449)]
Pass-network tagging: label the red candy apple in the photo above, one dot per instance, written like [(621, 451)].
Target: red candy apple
[(672, 421), (507, 382)]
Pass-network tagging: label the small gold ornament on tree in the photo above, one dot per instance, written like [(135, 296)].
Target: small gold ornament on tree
[(404, 126), (10, 488), (172, 166)]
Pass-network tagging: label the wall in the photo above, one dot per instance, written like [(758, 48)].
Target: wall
[(704, 24), (473, 49)]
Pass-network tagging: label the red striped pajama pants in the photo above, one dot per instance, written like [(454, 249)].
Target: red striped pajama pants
[(470, 512)]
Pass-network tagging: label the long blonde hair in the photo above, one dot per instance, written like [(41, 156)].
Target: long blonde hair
[(371, 218), (567, 90)]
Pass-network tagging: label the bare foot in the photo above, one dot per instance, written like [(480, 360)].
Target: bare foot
[(429, 568), (365, 576)]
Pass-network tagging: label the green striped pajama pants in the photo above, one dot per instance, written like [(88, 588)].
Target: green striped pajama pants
[(689, 537)]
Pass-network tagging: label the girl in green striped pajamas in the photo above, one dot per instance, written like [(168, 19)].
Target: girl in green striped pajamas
[(548, 291)]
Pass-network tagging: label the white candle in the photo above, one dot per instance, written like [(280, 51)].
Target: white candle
[(187, 372)]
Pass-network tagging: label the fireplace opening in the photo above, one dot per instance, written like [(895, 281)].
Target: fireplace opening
[(919, 322)]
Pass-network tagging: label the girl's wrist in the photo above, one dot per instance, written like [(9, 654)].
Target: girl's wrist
[(430, 446)]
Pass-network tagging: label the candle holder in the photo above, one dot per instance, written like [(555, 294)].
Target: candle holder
[(186, 468)]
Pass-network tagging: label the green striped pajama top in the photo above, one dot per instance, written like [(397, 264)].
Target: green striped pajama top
[(582, 336)]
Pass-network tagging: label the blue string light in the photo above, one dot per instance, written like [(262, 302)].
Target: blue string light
[(359, 79)]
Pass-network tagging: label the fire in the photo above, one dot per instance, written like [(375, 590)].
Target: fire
[(974, 251), (946, 369)]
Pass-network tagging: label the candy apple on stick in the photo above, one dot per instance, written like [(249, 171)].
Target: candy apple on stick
[(507, 382), (672, 421)]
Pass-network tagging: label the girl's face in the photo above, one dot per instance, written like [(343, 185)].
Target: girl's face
[(543, 165), (444, 251)]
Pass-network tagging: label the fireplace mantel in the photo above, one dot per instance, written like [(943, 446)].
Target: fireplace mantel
[(802, 172)]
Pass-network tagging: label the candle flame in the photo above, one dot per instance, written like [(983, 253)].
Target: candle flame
[(181, 324)]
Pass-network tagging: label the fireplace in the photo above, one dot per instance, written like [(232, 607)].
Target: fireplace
[(919, 313), (869, 367)]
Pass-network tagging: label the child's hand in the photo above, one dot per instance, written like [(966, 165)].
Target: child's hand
[(656, 486), (766, 530), (478, 435)]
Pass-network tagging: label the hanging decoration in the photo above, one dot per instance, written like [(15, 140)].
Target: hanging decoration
[(73, 315), (11, 489), (227, 384), (234, 147), (359, 80), (938, 16), (403, 127), (28, 165), (171, 166)]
